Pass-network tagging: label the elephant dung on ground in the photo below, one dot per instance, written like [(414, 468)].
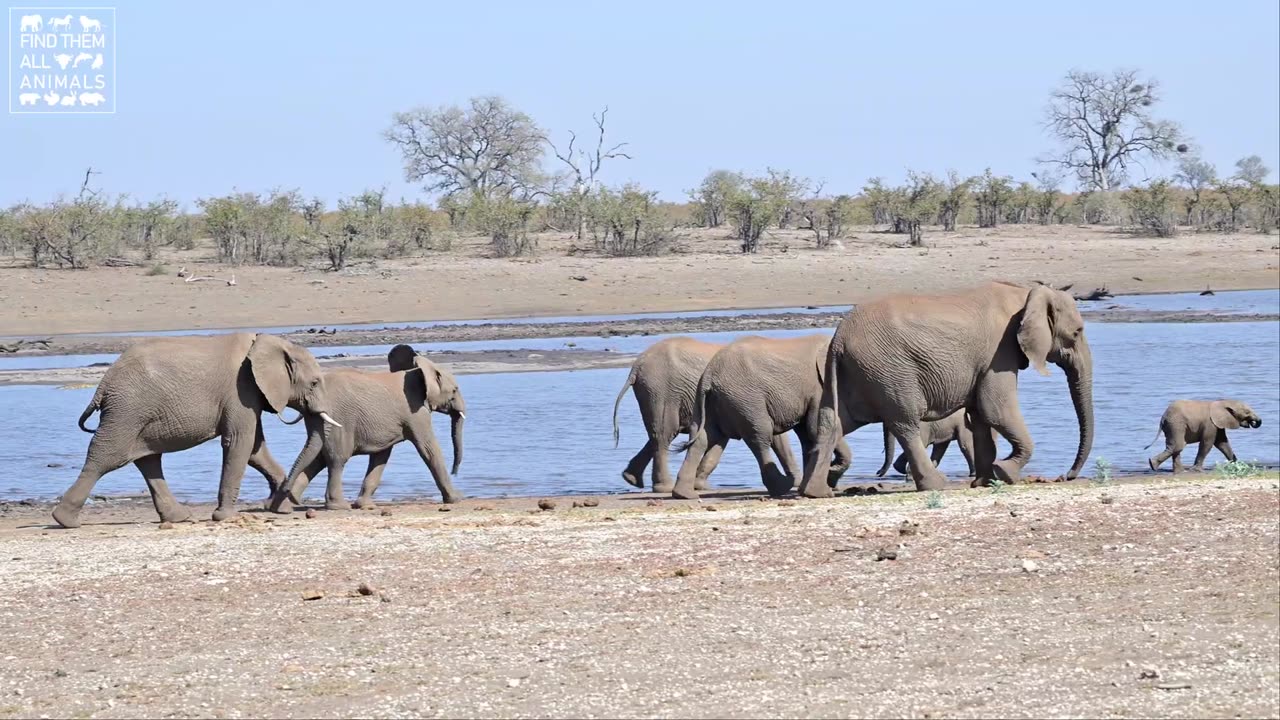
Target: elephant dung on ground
[(379, 410), (753, 390), (170, 394), (1202, 421), (907, 359), (939, 434)]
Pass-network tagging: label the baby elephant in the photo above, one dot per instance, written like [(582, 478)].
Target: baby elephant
[(1188, 421), (939, 434), (379, 411)]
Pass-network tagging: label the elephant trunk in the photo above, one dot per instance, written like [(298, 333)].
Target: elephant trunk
[(459, 417), (1080, 382)]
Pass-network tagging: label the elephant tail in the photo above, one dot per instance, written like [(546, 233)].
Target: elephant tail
[(631, 380), (890, 446), (1154, 439), (93, 407)]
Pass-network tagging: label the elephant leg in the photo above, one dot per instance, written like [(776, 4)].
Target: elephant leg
[(297, 484), (716, 442), (841, 463), (984, 451), (775, 481), (262, 461), (167, 506), (925, 475), (782, 449), (965, 440), (333, 499), (634, 474), (1172, 449), (1224, 446), (686, 479), (103, 456), (1007, 420), (372, 479), (939, 451), (429, 450), (900, 465), (236, 450), (1202, 452), (661, 473)]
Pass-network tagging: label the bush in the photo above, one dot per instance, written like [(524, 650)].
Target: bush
[(760, 203), (506, 221), (627, 221), (1101, 207), (1152, 209), (991, 194)]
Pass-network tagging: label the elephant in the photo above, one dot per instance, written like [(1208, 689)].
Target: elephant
[(170, 394), (1188, 421), (939, 434), (379, 410), (906, 359), (755, 389)]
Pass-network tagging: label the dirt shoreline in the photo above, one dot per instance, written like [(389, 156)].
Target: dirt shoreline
[(1149, 597)]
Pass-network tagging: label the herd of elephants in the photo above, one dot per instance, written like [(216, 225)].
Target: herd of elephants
[(930, 368)]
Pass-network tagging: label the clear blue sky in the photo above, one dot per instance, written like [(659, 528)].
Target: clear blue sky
[(251, 95)]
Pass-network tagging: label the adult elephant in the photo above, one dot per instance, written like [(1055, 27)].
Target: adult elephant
[(754, 390), (939, 434), (379, 410), (170, 394), (906, 359)]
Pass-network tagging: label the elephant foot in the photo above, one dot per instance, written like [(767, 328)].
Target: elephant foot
[(931, 481), (702, 485), (663, 488), (176, 514), (452, 498), (684, 493), (280, 505), (818, 490), (364, 503), (222, 513), (634, 481), (67, 516), (979, 482), (1151, 462), (1197, 468), (1006, 472), (338, 504)]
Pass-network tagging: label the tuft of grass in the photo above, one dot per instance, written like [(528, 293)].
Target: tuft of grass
[(934, 501), (1101, 471), (997, 485), (157, 270), (1238, 469)]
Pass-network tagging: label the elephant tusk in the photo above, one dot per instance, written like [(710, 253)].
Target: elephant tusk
[(462, 415), (325, 417)]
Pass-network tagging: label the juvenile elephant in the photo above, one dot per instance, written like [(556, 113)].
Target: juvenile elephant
[(170, 394), (907, 359), (939, 434), (754, 390), (1202, 421), (664, 379), (379, 410)]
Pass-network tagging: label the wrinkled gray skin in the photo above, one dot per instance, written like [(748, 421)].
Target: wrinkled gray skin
[(906, 359), (664, 379), (1202, 421), (169, 394), (754, 389), (939, 434), (379, 410)]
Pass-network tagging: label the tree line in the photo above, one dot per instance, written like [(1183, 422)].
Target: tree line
[(496, 172)]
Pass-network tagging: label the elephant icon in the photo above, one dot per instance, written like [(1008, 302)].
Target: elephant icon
[(28, 98), (92, 98), (31, 23), (89, 24)]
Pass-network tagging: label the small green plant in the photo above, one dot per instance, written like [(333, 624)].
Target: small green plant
[(1237, 469), (934, 501), (1101, 471), (997, 485), (157, 270)]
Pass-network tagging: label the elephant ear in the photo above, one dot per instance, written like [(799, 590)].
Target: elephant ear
[(431, 379), (1035, 335), (401, 358), (1221, 416), (272, 367)]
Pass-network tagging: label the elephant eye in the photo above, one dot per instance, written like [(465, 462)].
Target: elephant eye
[(315, 382)]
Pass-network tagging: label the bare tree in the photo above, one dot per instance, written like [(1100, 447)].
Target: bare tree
[(488, 149), (1105, 124), (585, 166), (956, 195), (1196, 175)]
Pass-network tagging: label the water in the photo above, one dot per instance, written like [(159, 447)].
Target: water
[(542, 433)]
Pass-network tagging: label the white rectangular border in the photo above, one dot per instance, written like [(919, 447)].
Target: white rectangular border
[(115, 38)]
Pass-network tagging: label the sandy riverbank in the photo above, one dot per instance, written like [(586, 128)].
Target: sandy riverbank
[(1038, 600)]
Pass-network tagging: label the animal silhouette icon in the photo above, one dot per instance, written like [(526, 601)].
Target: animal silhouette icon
[(69, 100), (89, 24), (62, 22), (81, 58), (97, 62), (51, 98), (62, 59), (92, 98), (28, 98), (30, 23)]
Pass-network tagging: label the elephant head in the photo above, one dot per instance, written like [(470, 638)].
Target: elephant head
[(1051, 330), (288, 376), (1231, 414), (440, 392)]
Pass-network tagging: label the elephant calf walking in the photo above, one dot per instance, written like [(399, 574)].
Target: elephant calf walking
[(379, 410), (940, 434), (1188, 421)]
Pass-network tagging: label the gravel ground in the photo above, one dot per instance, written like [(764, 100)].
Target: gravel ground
[(1150, 597)]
